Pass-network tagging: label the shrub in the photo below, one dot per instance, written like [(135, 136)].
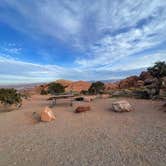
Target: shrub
[(56, 88), (84, 92), (10, 97), (96, 88), (44, 92), (141, 94), (158, 70)]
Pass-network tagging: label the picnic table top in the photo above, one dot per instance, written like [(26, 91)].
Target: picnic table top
[(60, 97)]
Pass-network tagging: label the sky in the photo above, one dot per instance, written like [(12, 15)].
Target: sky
[(45, 40)]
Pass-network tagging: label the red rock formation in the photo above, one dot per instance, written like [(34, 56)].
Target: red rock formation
[(65, 83), (78, 86), (145, 75), (111, 86), (140, 83), (128, 82)]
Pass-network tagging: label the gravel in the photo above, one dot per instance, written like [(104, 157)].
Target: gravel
[(95, 138)]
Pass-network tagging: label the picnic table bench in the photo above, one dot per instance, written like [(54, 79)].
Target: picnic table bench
[(54, 98)]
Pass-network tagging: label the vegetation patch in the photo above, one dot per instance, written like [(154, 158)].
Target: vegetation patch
[(10, 97)]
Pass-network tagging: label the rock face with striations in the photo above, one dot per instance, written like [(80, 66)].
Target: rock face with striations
[(111, 86), (121, 106), (128, 82), (47, 115)]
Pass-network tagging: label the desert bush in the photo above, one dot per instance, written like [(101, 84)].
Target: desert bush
[(121, 93), (10, 97), (84, 92), (75, 93), (56, 88), (141, 94), (96, 88), (44, 92)]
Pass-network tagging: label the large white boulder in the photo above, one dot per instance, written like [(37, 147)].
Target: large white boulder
[(121, 106)]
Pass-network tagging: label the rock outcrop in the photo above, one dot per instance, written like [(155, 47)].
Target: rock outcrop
[(65, 83), (111, 86), (128, 82), (78, 86), (121, 106), (140, 83)]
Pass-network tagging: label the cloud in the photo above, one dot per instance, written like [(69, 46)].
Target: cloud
[(14, 71), (134, 63), (115, 38), (9, 49), (111, 48), (82, 22)]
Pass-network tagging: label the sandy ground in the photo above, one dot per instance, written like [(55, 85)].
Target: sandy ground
[(96, 138)]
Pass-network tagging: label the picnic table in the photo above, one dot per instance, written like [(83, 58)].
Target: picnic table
[(54, 98)]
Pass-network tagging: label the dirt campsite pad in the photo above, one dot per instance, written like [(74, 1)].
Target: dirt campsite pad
[(99, 137)]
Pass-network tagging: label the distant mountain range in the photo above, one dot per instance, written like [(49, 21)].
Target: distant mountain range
[(21, 86), (31, 85), (106, 81)]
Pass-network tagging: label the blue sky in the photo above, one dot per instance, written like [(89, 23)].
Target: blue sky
[(45, 40)]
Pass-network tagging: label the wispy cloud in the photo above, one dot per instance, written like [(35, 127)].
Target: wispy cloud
[(114, 37), (14, 71)]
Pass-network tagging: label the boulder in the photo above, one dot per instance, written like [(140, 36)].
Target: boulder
[(121, 106), (47, 115), (80, 109)]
